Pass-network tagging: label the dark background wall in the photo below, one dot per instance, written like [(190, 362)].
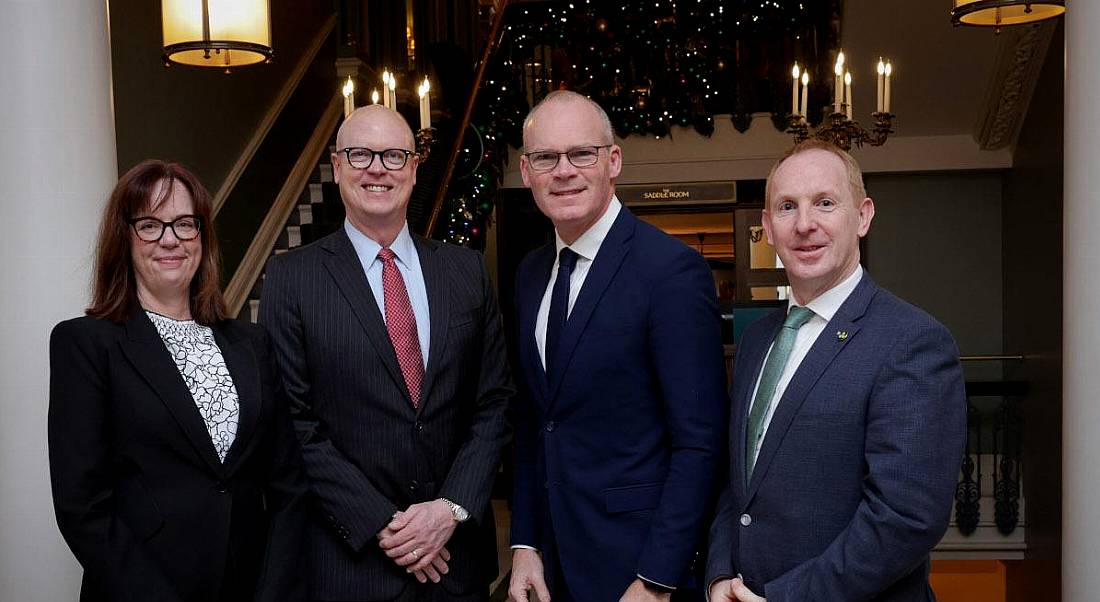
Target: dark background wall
[(1032, 215), (936, 242), (201, 118)]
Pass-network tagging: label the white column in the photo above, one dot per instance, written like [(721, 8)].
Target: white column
[(1081, 322), (57, 165)]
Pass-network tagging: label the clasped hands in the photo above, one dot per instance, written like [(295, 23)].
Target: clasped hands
[(415, 539), (732, 590)]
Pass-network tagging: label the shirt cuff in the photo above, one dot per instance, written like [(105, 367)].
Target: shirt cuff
[(520, 546), (658, 585), (713, 581)]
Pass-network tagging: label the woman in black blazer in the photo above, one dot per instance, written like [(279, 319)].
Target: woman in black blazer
[(175, 470)]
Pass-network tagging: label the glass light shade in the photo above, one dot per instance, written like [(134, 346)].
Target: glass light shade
[(216, 33), (1003, 13)]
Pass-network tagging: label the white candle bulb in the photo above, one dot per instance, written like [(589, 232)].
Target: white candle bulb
[(805, 107), (349, 98), (838, 82), (794, 89), (425, 107), (886, 94), (848, 92), (881, 68)]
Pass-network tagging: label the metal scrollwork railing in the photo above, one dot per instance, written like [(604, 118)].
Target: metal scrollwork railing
[(968, 492), (1006, 473), (994, 430)]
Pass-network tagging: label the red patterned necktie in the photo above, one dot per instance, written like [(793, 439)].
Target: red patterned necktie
[(401, 325)]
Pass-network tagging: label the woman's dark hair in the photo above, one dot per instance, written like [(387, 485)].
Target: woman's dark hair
[(114, 290)]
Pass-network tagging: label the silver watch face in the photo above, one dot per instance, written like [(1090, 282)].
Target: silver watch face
[(459, 512)]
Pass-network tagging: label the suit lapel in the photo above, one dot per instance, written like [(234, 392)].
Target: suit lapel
[(529, 297), (754, 354), (820, 356), (241, 363), (343, 265), (147, 353), (439, 313), (610, 256)]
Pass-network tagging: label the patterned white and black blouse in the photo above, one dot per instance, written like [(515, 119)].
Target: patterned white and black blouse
[(203, 369)]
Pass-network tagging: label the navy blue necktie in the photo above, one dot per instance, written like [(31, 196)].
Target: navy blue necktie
[(559, 306)]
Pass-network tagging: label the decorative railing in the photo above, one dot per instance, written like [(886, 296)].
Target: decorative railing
[(988, 519)]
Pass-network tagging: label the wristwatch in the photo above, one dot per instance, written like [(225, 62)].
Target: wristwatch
[(460, 513)]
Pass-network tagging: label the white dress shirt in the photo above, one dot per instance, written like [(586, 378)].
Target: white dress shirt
[(824, 307), (408, 263), (586, 247)]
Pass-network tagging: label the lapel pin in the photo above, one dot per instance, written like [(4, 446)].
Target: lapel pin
[(842, 335)]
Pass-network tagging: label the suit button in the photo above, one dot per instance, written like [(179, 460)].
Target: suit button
[(746, 520), (550, 426), (419, 426), (221, 487), (414, 485)]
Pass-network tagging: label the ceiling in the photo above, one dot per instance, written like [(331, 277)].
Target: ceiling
[(945, 76)]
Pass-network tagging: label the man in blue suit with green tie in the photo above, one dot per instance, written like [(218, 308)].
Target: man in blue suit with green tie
[(622, 408), (848, 414)]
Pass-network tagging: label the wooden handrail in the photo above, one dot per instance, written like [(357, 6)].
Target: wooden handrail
[(273, 113), (236, 293), (491, 46)]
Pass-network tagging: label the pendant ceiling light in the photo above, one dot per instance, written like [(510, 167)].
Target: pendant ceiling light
[(1002, 13), (216, 33)]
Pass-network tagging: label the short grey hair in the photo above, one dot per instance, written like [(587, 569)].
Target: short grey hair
[(558, 96)]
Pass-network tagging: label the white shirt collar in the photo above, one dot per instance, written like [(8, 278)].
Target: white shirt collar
[(588, 244), (367, 248), (827, 303)]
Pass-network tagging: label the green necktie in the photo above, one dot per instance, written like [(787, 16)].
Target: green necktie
[(769, 378)]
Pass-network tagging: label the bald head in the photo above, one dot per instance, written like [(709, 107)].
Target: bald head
[(378, 118), (561, 98)]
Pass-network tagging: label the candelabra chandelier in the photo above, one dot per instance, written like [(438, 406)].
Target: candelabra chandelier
[(839, 127), (425, 136), (842, 131)]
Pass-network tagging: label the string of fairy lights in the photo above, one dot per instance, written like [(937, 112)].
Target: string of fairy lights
[(653, 66)]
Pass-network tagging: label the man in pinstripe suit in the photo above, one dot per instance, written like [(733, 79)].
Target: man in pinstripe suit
[(393, 357)]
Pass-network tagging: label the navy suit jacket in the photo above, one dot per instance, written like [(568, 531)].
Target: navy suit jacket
[(616, 455), (854, 481), (367, 451)]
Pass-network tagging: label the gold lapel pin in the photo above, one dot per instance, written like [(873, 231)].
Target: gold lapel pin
[(842, 335)]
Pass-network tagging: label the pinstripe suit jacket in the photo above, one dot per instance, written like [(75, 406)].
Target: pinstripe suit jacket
[(367, 452)]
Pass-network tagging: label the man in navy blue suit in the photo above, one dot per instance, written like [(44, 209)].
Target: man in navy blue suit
[(848, 418), (622, 409)]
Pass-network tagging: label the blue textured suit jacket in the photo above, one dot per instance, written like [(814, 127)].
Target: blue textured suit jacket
[(617, 454), (854, 481)]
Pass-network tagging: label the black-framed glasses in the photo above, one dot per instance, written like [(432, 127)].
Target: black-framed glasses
[(151, 229), (582, 156), (361, 158)]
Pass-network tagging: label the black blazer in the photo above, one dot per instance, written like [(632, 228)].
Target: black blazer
[(141, 497), (367, 452)]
